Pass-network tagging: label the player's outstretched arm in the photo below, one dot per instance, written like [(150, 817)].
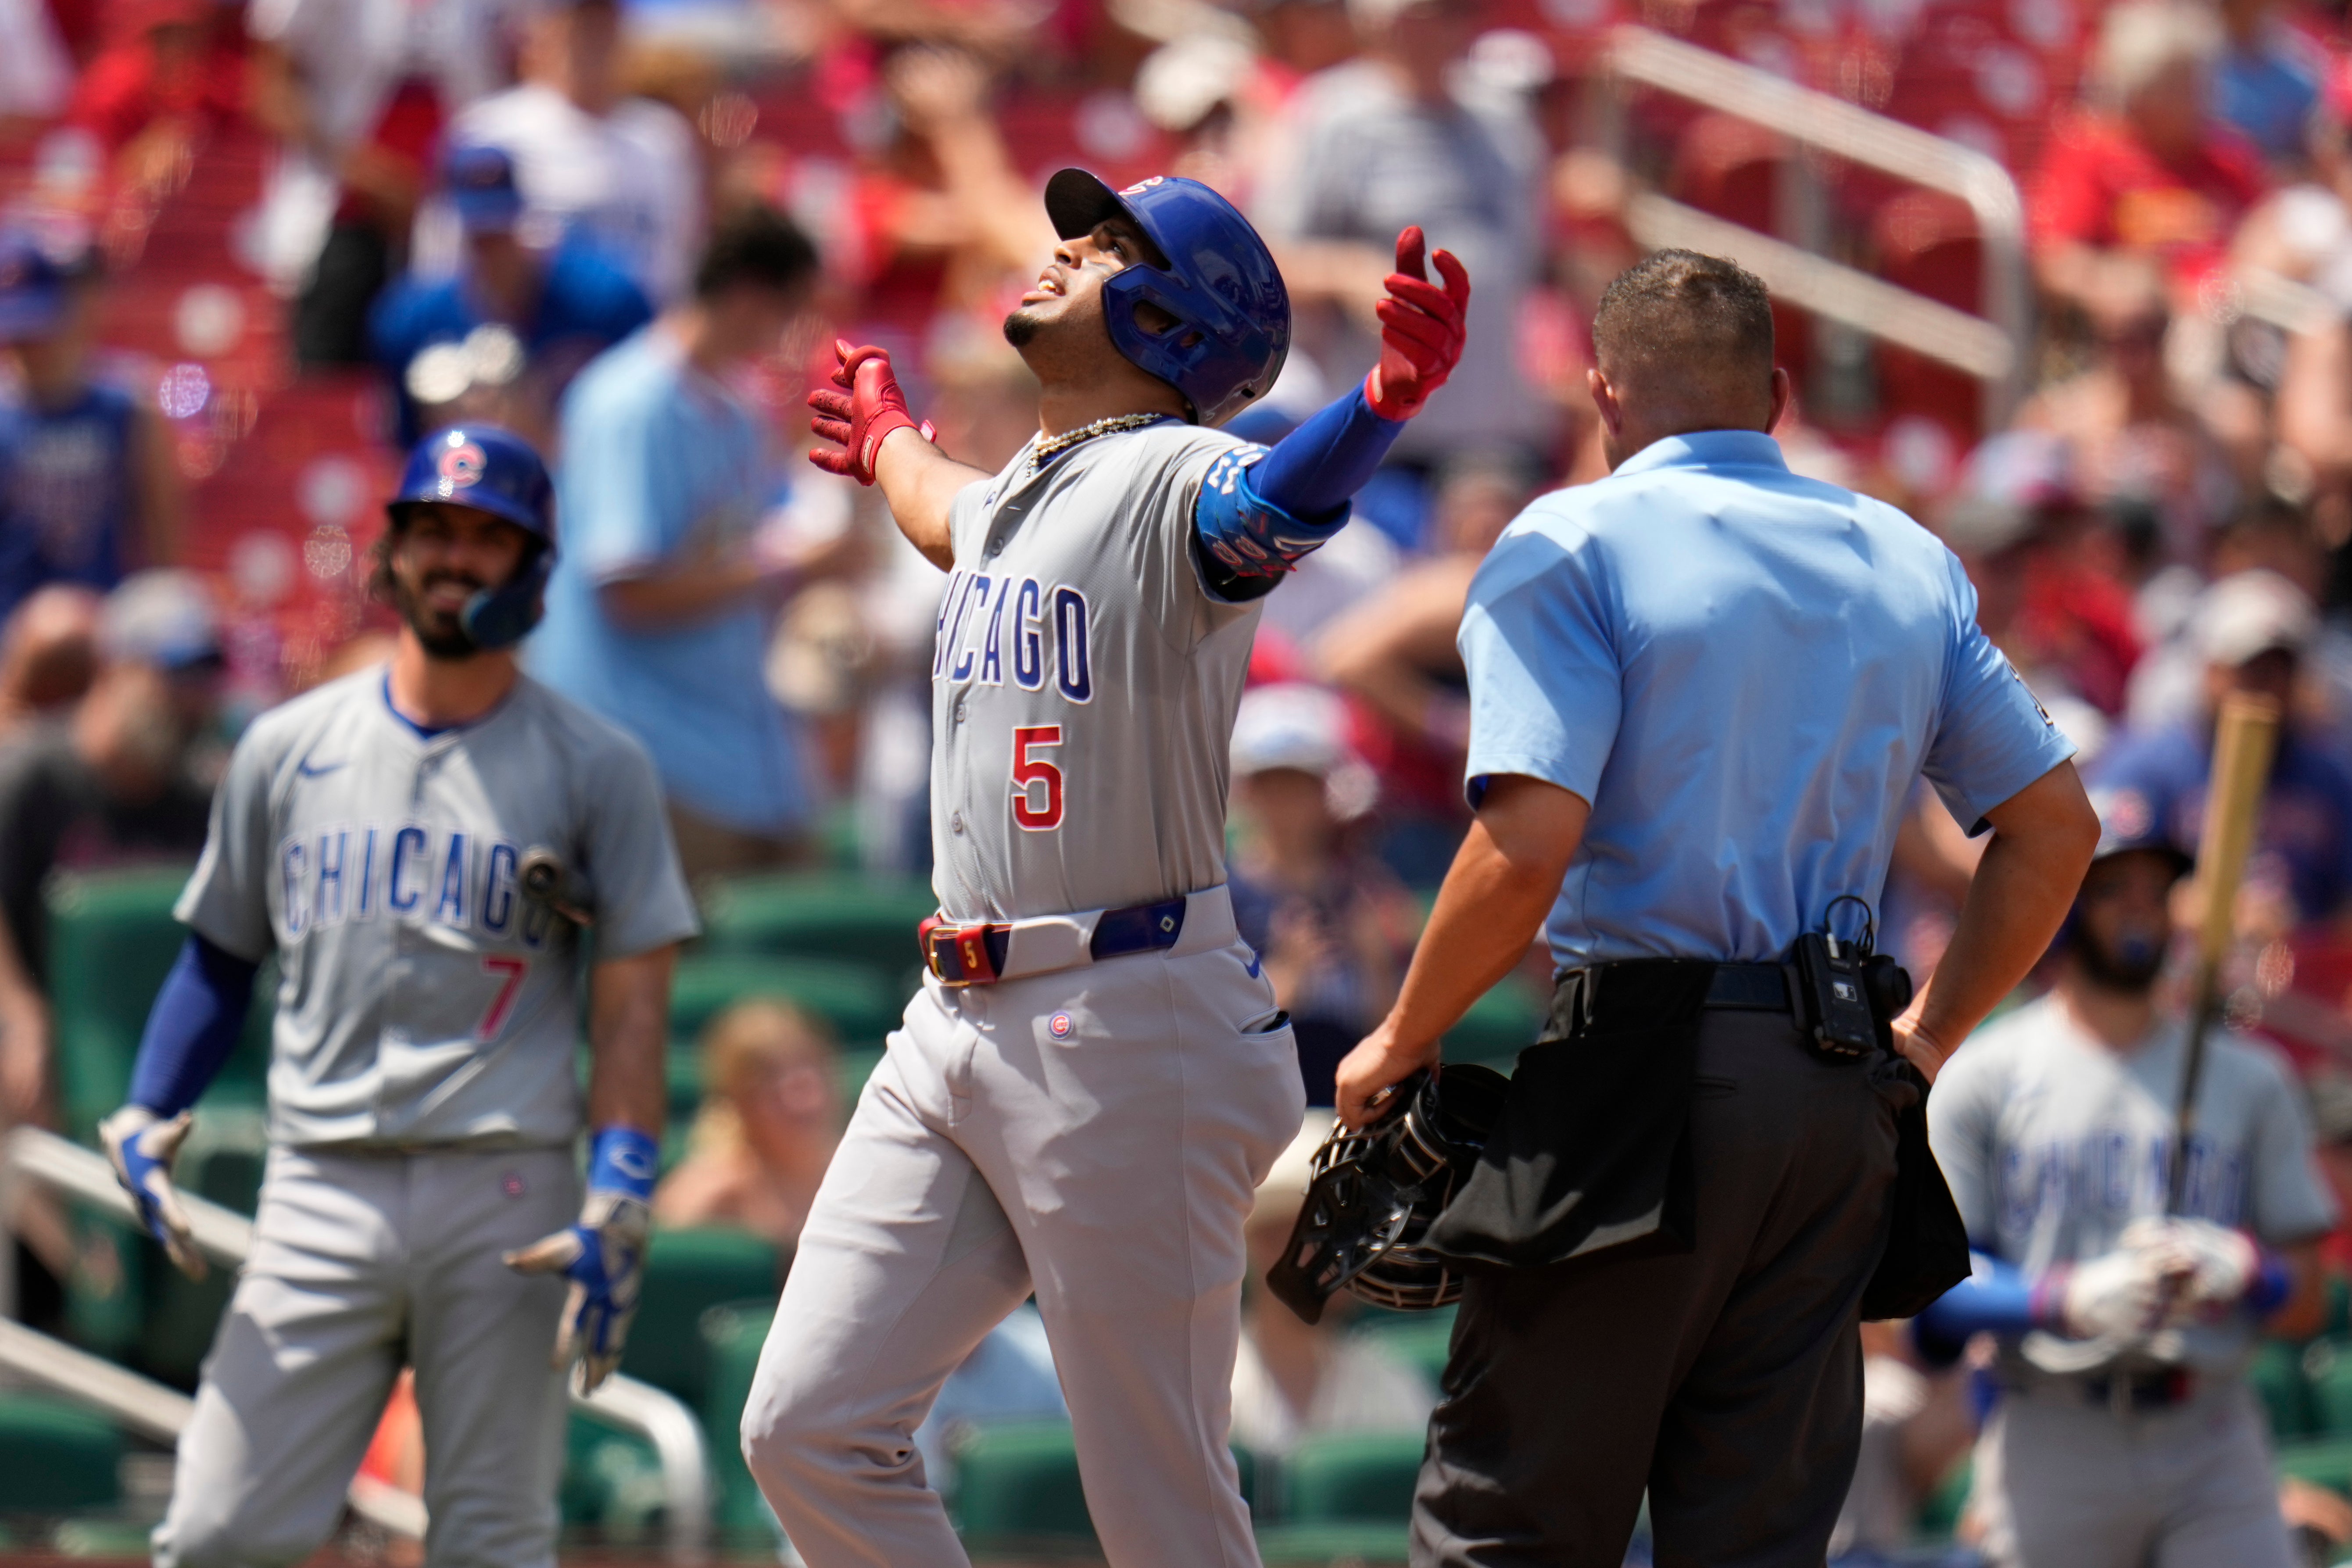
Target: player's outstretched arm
[(861, 414), (604, 1255), (1260, 513)]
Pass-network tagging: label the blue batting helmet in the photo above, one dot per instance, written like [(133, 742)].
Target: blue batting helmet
[(496, 471), (1213, 274)]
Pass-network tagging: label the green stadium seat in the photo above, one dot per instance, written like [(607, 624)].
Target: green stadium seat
[(2322, 1461), (690, 1270), (1939, 1516), (866, 919), (1423, 1339), (1497, 1028), (862, 1002), (1353, 1541), (2328, 1380), (56, 1458), (611, 1481), (1017, 1488), (2277, 1376), (732, 1337), (1351, 1476)]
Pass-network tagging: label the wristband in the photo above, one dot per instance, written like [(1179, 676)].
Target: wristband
[(624, 1159), (2274, 1283)]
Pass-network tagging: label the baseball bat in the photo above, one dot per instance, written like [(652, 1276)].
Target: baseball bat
[(2245, 739)]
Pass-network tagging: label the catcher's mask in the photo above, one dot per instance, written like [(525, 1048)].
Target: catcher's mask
[(1374, 1193)]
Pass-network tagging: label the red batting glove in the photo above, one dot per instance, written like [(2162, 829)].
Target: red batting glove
[(868, 407), (1421, 330)]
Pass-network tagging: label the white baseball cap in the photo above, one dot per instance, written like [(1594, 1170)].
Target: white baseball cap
[(165, 618), (2249, 613), (1290, 725)]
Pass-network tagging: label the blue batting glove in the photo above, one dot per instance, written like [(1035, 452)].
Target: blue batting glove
[(142, 1146), (603, 1256)]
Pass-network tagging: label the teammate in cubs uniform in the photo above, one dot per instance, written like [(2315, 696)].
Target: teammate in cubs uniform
[(2126, 1436), (419, 845), (1094, 1077)]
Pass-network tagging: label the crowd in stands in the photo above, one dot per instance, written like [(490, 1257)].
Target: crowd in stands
[(627, 229)]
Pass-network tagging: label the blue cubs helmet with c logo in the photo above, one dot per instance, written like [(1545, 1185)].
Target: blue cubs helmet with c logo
[(492, 470), (1213, 274)]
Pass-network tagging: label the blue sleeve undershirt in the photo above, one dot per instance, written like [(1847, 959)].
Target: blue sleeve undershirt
[(194, 1023), (1255, 521), (1995, 1298)]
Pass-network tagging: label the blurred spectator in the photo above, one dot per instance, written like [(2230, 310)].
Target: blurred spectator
[(2266, 81), (173, 75), (2251, 630), (1293, 1380), (357, 92), (657, 614), (620, 173), (503, 338), (2135, 439), (2043, 595), (36, 73), (1917, 1424), (49, 652), (1393, 652), (1334, 926), (771, 1112), (117, 782), (1396, 137), (88, 485), (2147, 176)]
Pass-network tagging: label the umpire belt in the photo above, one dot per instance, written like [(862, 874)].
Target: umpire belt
[(985, 952), (1587, 1002)]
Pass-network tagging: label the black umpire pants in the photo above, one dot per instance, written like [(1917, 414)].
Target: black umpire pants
[(1726, 1381)]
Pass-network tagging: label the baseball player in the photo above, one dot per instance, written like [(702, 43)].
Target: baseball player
[(419, 845), (1094, 1077), (2125, 1434)]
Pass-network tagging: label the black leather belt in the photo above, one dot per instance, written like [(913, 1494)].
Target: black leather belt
[(1635, 993), (974, 954), (2158, 1390), (1749, 987)]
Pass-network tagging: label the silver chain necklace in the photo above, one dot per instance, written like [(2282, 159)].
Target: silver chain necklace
[(1046, 450)]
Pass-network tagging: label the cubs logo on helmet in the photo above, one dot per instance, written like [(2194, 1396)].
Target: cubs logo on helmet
[(461, 465), (496, 471)]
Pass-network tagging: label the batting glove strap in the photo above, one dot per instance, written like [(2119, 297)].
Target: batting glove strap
[(2118, 1295), (142, 1147), (2215, 1267)]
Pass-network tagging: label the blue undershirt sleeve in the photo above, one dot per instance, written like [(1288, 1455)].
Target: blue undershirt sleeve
[(1996, 1298), (1262, 510), (193, 1026)]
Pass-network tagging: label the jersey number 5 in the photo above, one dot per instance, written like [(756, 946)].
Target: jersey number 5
[(1028, 773), (509, 972)]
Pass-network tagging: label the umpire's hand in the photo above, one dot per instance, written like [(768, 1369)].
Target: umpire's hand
[(1369, 1075)]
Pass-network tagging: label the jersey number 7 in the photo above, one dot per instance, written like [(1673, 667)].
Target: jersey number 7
[(1029, 772)]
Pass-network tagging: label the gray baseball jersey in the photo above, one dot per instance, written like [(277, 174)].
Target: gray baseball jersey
[(1084, 679), (2053, 1143), (423, 1001)]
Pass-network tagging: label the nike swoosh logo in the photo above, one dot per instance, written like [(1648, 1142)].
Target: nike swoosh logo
[(1255, 964), (308, 771)]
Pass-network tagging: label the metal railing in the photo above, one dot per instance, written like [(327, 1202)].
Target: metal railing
[(1991, 347), (226, 1237)]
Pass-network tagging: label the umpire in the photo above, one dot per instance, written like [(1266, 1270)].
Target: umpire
[(1701, 690)]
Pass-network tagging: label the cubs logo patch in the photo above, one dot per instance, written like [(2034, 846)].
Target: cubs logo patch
[(511, 1184), (1142, 186), (1060, 1026), (461, 465)]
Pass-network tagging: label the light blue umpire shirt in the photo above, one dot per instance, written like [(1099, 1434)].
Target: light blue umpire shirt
[(1742, 671)]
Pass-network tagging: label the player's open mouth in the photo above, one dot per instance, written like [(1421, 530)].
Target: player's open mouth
[(1047, 287)]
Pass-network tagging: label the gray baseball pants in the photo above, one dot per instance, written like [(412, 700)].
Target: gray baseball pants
[(1096, 1135), (360, 1263), (2064, 1482)]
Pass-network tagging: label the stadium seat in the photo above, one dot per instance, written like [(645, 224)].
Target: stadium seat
[(731, 1336), (690, 1270), (1497, 1028), (1940, 1514), (1350, 1541), (612, 1480), (2277, 1374), (1017, 1489), (2322, 1461), (56, 1458), (1352, 1477), (2327, 1367), (870, 919), (1421, 1338), (112, 941), (862, 1004)]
